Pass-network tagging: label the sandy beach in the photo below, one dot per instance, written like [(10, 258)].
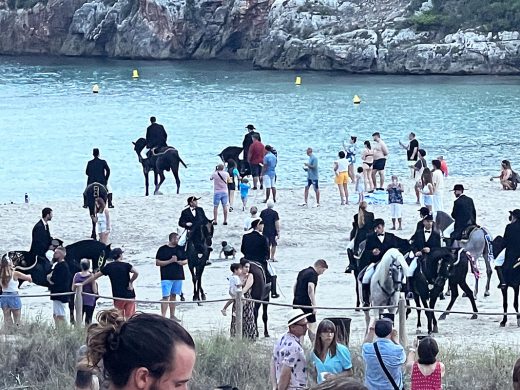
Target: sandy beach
[(141, 225)]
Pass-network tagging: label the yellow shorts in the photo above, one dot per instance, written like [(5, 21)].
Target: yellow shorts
[(341, 178)]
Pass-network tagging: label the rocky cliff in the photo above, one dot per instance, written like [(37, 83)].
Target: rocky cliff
[(362, 36)]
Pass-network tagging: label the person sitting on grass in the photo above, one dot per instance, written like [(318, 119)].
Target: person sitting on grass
[(425, 372)]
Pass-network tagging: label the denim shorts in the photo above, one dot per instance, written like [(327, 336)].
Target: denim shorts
[(10, 300), (220, 197), (171, 287)]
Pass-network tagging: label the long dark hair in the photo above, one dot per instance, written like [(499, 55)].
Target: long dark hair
[(426, 177), (6, 271), (145, 340), (367, 144), (325, 326), (427, 351)]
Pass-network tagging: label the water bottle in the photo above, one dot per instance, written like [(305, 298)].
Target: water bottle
[(26, 198)]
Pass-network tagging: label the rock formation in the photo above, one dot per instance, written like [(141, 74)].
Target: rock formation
[(361, 36)]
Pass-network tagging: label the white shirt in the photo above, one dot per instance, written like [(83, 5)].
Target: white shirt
[(45, 224), (342, 165), (437, 181), (235, 285), (382, 237), (193, 211), (427, 235)]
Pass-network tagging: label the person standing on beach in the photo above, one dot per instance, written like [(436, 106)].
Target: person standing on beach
[(312, 178), (248, 140), (156, 136), (351, 152), (305, 292), (341, 168), (269, 173), (220, 180), (412, 152), (89, 302), (438, 187), (419, 166), (60, 282), (368, 161), (289, 363), (171, 259), (255, 158), (271, 230), (97, 171), (380, 154), (122, 283), (10, 301), (463, 213), (395, 199)]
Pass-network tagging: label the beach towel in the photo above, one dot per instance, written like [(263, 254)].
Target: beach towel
[(377, 197)]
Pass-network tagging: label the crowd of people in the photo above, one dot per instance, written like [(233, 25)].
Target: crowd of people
[(383, 357)]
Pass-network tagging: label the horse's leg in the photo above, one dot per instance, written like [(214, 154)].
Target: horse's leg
[(194, 281), (489, 271), (93, 234), (201, 271), (265, 318), (454, 294), (256, 310), (418, 305), (358, 303), (175, 171), (432, 319), (146, 180), (464, 286), (504, 305)]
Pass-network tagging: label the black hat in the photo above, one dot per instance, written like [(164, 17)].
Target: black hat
[(458, 187), (116, 253), (424, 210), (383, 327), (192, 199), (429, 217), (515, 213), (250, 127), (256, 222)]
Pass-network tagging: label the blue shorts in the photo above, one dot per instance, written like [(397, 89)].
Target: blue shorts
[(220, 197), (171, 287), (313, 183), (10, 300)]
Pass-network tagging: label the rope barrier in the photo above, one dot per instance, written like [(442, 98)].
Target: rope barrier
[(320, 307), (155, 302)]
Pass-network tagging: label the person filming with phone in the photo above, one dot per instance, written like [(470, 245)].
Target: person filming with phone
[(384, 357)]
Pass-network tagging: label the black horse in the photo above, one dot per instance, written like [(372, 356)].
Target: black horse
[(159, 160), (198, 249), (93, 191), (39, 267), (511, 274), (232, 153), (260, 290), (360, 261), (430, 277)]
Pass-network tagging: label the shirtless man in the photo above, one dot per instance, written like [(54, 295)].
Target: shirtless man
[(380, 152)]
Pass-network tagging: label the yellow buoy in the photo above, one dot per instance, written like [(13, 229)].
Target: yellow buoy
[(135, 74), (356, 99), (298, 80), (95, 88)]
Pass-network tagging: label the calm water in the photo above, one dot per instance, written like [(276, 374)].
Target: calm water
[(50, 120)]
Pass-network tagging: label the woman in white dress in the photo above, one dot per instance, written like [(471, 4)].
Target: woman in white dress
[(438, 187), (102, 220), (427, 188)]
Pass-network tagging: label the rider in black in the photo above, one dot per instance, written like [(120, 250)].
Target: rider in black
[(97, 171), (155, 135), (463, 213)]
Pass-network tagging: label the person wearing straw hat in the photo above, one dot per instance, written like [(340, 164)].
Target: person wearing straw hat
[(288, 363), (463, 213)]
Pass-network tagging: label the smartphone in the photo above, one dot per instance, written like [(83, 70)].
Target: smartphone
[(390, 316)]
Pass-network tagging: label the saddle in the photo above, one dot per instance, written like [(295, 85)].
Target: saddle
[(159, 150), (467, 232)]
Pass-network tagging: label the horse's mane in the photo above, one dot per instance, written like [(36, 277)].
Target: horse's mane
[(384, 265)]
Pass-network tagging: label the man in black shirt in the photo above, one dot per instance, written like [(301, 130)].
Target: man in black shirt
[(97, 171), (412, 151), (60, 282), (155, 135), (248, 139), (171, 259), (122, 284), (305, 292), (271, 231)]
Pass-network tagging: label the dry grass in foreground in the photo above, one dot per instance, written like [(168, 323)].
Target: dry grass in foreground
[(39, 357)]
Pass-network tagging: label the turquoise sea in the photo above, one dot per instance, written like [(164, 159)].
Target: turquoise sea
[(50, 120)]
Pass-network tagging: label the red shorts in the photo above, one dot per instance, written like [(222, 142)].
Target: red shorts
[(127, 308)]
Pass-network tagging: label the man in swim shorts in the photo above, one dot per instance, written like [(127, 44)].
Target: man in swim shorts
[(312, 177), (380, 153)]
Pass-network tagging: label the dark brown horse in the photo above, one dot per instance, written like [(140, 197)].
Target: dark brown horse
[(159, 160), (93, 191), (198, 249), (261, 291)]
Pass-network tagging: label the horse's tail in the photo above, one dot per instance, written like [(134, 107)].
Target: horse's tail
[(182, 162)]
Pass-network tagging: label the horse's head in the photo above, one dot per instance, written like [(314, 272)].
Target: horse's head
[(396, 273), (102, 259), (207, 232), (139, 145)]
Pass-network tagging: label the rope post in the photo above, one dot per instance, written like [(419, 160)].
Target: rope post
[(78, 306), (401, 309), (239, 309)]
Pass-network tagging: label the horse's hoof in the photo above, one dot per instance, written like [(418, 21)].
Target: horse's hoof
[(266, 334), (518, 322), (502, 324), (199, 304), (157, 193), (487, 294), (208, 262), (203, 296), (442, 317), (196, 298), (474, 317), (448, 293), (182, 298), (435, 329), (442, 297)]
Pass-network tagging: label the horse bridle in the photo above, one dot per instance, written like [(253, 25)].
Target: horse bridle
[(389, 295)]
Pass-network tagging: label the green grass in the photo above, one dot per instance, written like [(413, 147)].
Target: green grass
[(44, 359)]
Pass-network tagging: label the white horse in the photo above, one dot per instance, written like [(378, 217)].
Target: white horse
[(386, 283)]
